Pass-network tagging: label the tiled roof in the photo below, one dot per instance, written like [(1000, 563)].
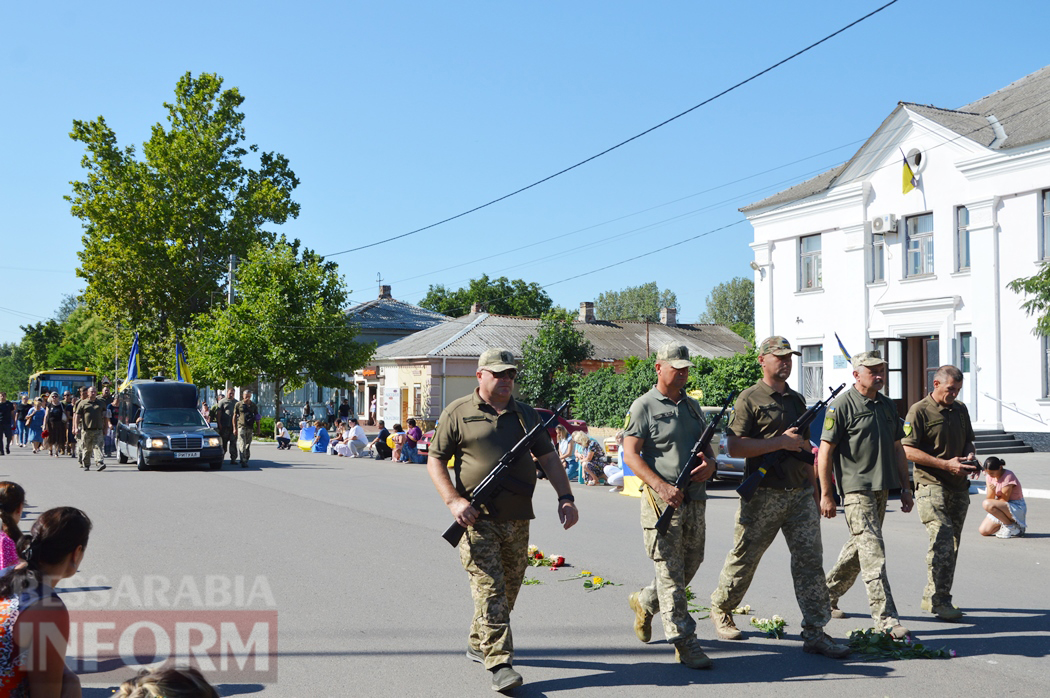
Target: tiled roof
[(1022, 108), (386, 313), (470, 335)]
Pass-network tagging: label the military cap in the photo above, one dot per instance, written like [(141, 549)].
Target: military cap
[(868, 358), (675, 354), (496, 360), (777, 346)]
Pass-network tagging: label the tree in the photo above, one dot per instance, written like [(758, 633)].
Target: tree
[(550, 360), (634, 303), (15, 369), (159, 230), (733, 304), (1038, 287), (287, 325), (500, 296)]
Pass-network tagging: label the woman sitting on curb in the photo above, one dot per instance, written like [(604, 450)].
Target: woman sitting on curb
[(1004, 502)]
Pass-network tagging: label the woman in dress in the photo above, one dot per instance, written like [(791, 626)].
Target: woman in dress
[(12, 502), (30, 608), (589, 453), (55, 422), (35, 425)]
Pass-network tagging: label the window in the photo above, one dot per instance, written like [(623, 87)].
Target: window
[(878, 258), (919, 256), (932, 348), (417, 399), (965, 339), (809, 263), (813, 373), (1046, 224), (962, 239)]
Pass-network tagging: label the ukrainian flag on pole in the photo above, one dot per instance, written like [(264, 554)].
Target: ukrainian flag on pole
[(182, 367), (133, 363), (908, 179)]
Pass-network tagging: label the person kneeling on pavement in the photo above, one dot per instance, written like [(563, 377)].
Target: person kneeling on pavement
[(1007, 511)]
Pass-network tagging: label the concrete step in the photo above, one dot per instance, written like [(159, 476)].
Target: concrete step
[(989, 435), (1015, 446)]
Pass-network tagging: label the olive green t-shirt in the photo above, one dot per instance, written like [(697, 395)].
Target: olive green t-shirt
[(668, 431), (241, 411), (864, 431), (471, 430), (942, 432), (91, 414), (762, 413)]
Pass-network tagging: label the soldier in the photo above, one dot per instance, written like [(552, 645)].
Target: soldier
[(788, 503), (90, 423), (224, 418), (661, 429), (862, 439), (477, 430), (937, 436), (245, 419)]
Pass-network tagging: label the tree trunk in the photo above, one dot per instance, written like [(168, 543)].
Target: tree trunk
[(278, 388)]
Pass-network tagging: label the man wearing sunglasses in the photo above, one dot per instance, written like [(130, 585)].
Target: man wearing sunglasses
[(477, 430)]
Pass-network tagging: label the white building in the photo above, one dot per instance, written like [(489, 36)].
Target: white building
[(921, 275)]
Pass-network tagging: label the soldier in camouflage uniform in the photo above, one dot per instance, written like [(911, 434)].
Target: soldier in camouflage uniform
[(224, 419), (90, 423), (661, 429), (862, 442), (786, 502), (245, 419), (477, 430), (937, 435)]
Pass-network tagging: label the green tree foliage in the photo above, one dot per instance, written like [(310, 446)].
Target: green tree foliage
[(287, 324), (634, 303), (733, 304), (498, 296), (550, 360), (603, 397), (159, 230), (81, 341), (1037, 288), (15, 369)]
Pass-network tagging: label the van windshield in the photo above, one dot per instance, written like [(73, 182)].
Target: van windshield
[(174, 417)]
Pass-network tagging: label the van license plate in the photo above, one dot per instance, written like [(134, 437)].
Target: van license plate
[(187, 454)]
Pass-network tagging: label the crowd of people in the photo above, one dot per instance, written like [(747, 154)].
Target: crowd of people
[(74, 424)]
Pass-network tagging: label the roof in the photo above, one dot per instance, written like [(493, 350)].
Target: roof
[(385, 313), (470, 335), (1022, 109)]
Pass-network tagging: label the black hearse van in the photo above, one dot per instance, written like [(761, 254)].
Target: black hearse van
[(160, 425)]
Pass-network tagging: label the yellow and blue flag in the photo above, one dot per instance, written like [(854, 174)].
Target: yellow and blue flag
[(182, 367), (842, 347), (908, 180), (133, 363)]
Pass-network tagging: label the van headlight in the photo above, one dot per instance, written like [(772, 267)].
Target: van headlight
[(214, 441), (158, 443)]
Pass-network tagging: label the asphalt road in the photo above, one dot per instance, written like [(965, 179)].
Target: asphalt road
[(370, 601)]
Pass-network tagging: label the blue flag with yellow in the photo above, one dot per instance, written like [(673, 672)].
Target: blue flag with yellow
[(182, 368), (133, 363)]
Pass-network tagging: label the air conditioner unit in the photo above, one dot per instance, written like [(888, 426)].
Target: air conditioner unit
[(884, 225)]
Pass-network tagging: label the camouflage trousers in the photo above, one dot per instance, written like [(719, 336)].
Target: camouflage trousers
[(676, 556), (865, 554), (494, 555), (229, 443), (757, 523), (943, 512), (244, 444), (90, 441)]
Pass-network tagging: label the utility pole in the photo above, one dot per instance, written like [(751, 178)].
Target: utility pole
[(229, 302)]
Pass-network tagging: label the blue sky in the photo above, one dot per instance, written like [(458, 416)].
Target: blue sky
[(395, 115)]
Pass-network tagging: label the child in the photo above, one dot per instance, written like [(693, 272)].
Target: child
[(1004, 502), (12, 502), (167, 683)]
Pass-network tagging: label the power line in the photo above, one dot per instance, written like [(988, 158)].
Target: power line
[(621, 143)]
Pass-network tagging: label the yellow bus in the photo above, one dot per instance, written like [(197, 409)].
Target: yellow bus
[(61, 380)]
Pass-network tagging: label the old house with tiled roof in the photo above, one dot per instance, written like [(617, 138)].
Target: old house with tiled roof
[(916, 262)]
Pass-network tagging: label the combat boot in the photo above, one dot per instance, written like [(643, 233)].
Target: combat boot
[(835, 612), (504, 678), (825, 645), (725, 628), (643, 619), (944, 611), (688, 652)]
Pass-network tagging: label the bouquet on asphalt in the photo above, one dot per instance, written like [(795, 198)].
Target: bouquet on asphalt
[(772, 627), (538, 559), (880, 644)]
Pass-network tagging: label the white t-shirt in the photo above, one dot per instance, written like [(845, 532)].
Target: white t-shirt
[(357, 433)]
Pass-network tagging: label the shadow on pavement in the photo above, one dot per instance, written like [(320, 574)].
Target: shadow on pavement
[(1019, 632)]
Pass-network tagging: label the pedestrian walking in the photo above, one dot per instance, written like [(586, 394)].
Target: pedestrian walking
[(862, 443), (8, 414), (21, 426), (224, 419), (478, 430), (785, 502), (661, 429), (90, 424), (245, 418)]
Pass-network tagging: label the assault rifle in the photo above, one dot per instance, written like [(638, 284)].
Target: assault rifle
[(499, 477), (774, 461), (682, 483)]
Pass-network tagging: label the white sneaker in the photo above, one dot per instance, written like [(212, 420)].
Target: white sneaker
[(1008, 531)]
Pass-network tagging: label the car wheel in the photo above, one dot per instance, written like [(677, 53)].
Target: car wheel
[(142, 461), (215, 465), (121, 458)]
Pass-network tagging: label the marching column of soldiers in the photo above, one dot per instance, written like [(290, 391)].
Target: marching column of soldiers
[(863, 454)]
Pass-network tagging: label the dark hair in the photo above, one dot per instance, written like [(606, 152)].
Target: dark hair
[(56, 534), (397, 427), (12, 496), (993, 463)]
